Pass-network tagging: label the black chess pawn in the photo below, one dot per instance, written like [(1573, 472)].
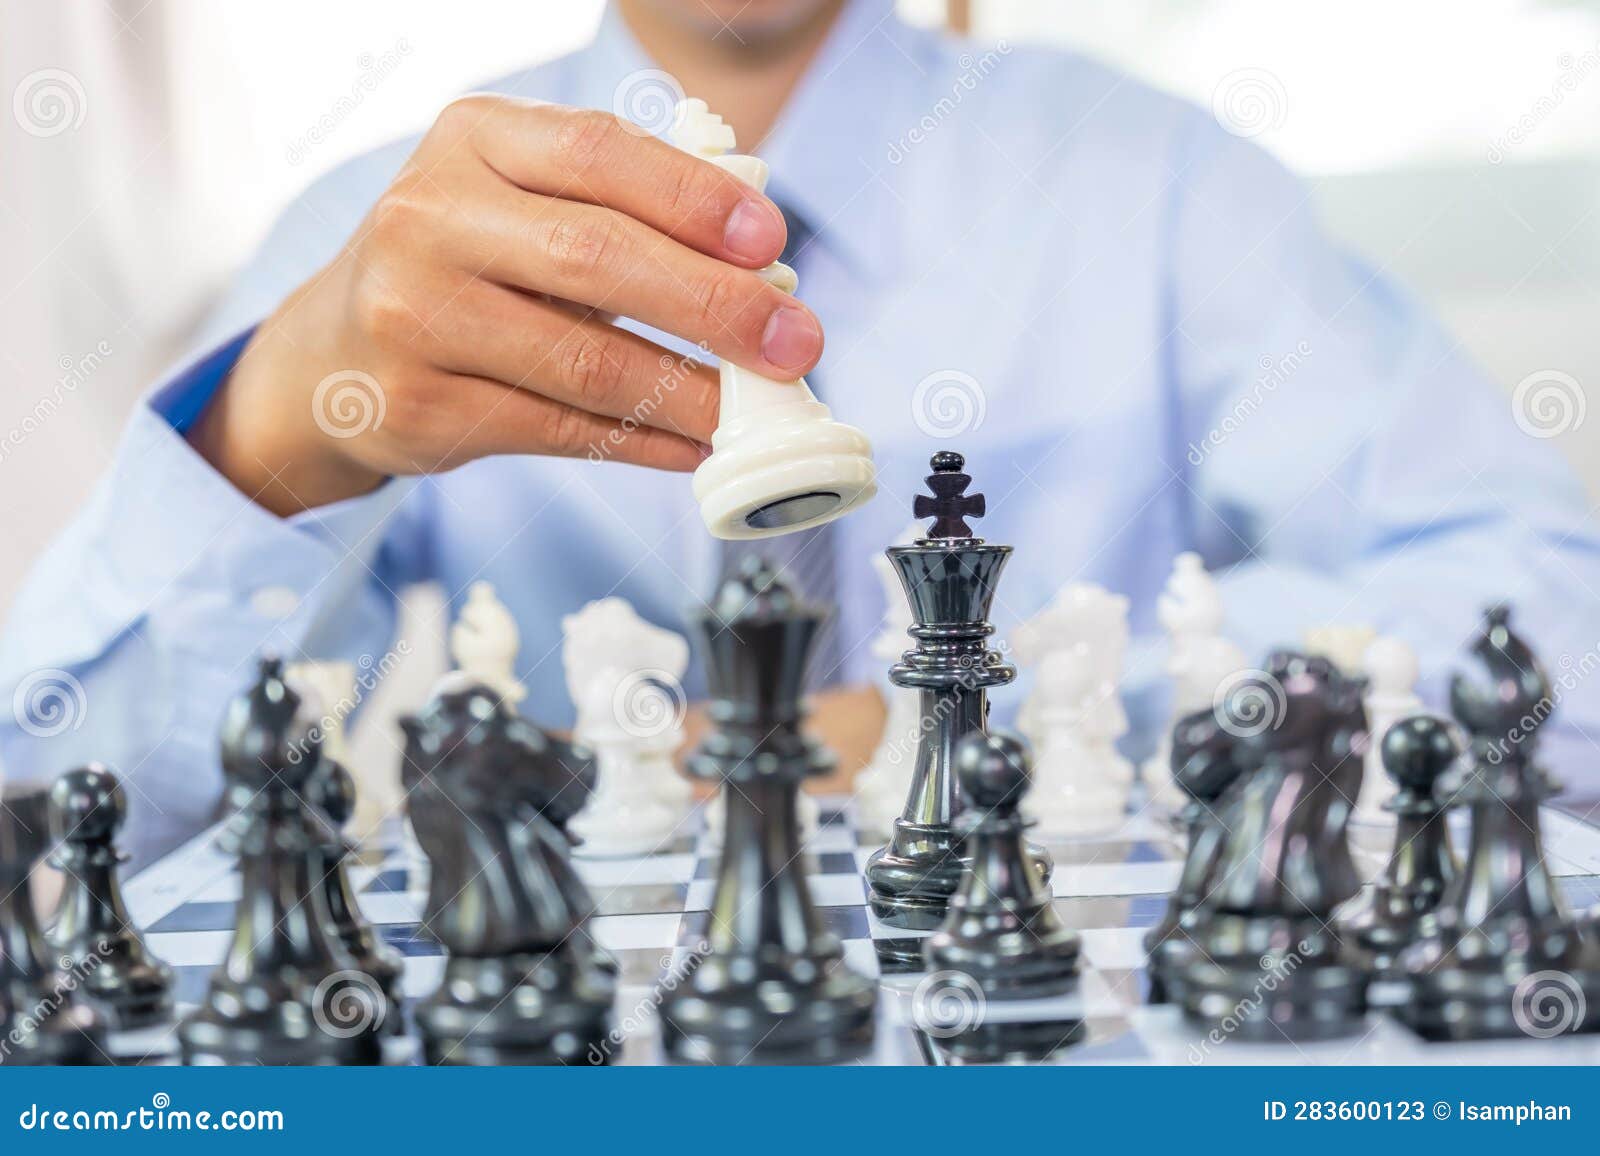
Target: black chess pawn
[(128, 985), (1204, 766), (1399, 907), (332, 790), (489, 793), (773, 986), (287, 991), (1502, 953), (949, 578), (43, 1020), (1001, 928), (1270, 964)]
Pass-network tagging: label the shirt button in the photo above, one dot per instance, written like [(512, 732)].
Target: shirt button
[(274, 602)]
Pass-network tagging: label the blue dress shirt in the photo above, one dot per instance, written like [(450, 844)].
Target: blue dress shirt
[(1126, 318)]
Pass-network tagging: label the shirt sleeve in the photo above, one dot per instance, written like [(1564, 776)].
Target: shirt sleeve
[(1344, 460)]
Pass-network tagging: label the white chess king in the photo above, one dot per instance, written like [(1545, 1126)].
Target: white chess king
[(779, 461)]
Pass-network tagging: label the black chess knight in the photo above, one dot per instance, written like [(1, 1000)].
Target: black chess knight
[(1399, 907), (1502, 954), (949, 578), (129, 986), (489, 794), (287, 991), (1205, 766), (773, 987), (1001, 928), (43, 1019), (1268, 955)]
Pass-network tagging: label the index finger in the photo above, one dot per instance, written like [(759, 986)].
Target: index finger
[(593, 157)]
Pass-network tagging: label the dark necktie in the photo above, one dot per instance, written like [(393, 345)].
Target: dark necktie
[(807, 558)]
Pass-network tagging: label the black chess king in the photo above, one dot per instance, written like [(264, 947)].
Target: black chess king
[(949, 578)]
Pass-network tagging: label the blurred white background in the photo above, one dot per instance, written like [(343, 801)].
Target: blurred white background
[(148, 144)]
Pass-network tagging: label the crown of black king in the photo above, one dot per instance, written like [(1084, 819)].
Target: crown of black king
[(756, 638)]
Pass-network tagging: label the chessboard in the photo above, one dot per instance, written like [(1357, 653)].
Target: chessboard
[(652, 913)]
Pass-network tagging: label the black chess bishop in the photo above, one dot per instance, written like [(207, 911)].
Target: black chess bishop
[(1001, 928), (773, 986), (1205, 766), (1267, 953), (1398, 909), (287, 991), (93, 932), (489, 795), (332, 791), (43, 1017), (949, 578), (1502, 956)]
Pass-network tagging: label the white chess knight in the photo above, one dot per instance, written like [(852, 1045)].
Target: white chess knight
[(484, 641), (1074, 716), (625, 678), (1392, 669), (779, 461), (1199, 661), (882, 786)]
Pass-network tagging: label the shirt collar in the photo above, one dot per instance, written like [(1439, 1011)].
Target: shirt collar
[(830, 148)]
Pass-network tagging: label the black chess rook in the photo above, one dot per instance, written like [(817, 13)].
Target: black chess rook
[(772, 986)]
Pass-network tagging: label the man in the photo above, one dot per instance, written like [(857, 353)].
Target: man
[(1124, 316)]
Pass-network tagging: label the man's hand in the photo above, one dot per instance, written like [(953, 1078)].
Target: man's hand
[(471, 311)]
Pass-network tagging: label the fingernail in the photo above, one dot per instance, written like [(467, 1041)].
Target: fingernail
[(792, 339), (754, 231)]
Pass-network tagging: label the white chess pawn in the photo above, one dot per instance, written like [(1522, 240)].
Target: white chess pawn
[(1343, 644), (1078, 789), (625, 678), (484, 641), (882, 786), (1392, 669), (1199, 661), (779, 461)]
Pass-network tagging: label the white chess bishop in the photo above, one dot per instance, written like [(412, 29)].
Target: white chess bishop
[(1392, 670), (1199, 661), (1074, 715), (625, 678), (882, 786), (779, 461), (484, 642)]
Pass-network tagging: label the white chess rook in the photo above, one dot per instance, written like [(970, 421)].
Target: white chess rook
[(779, 461)]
